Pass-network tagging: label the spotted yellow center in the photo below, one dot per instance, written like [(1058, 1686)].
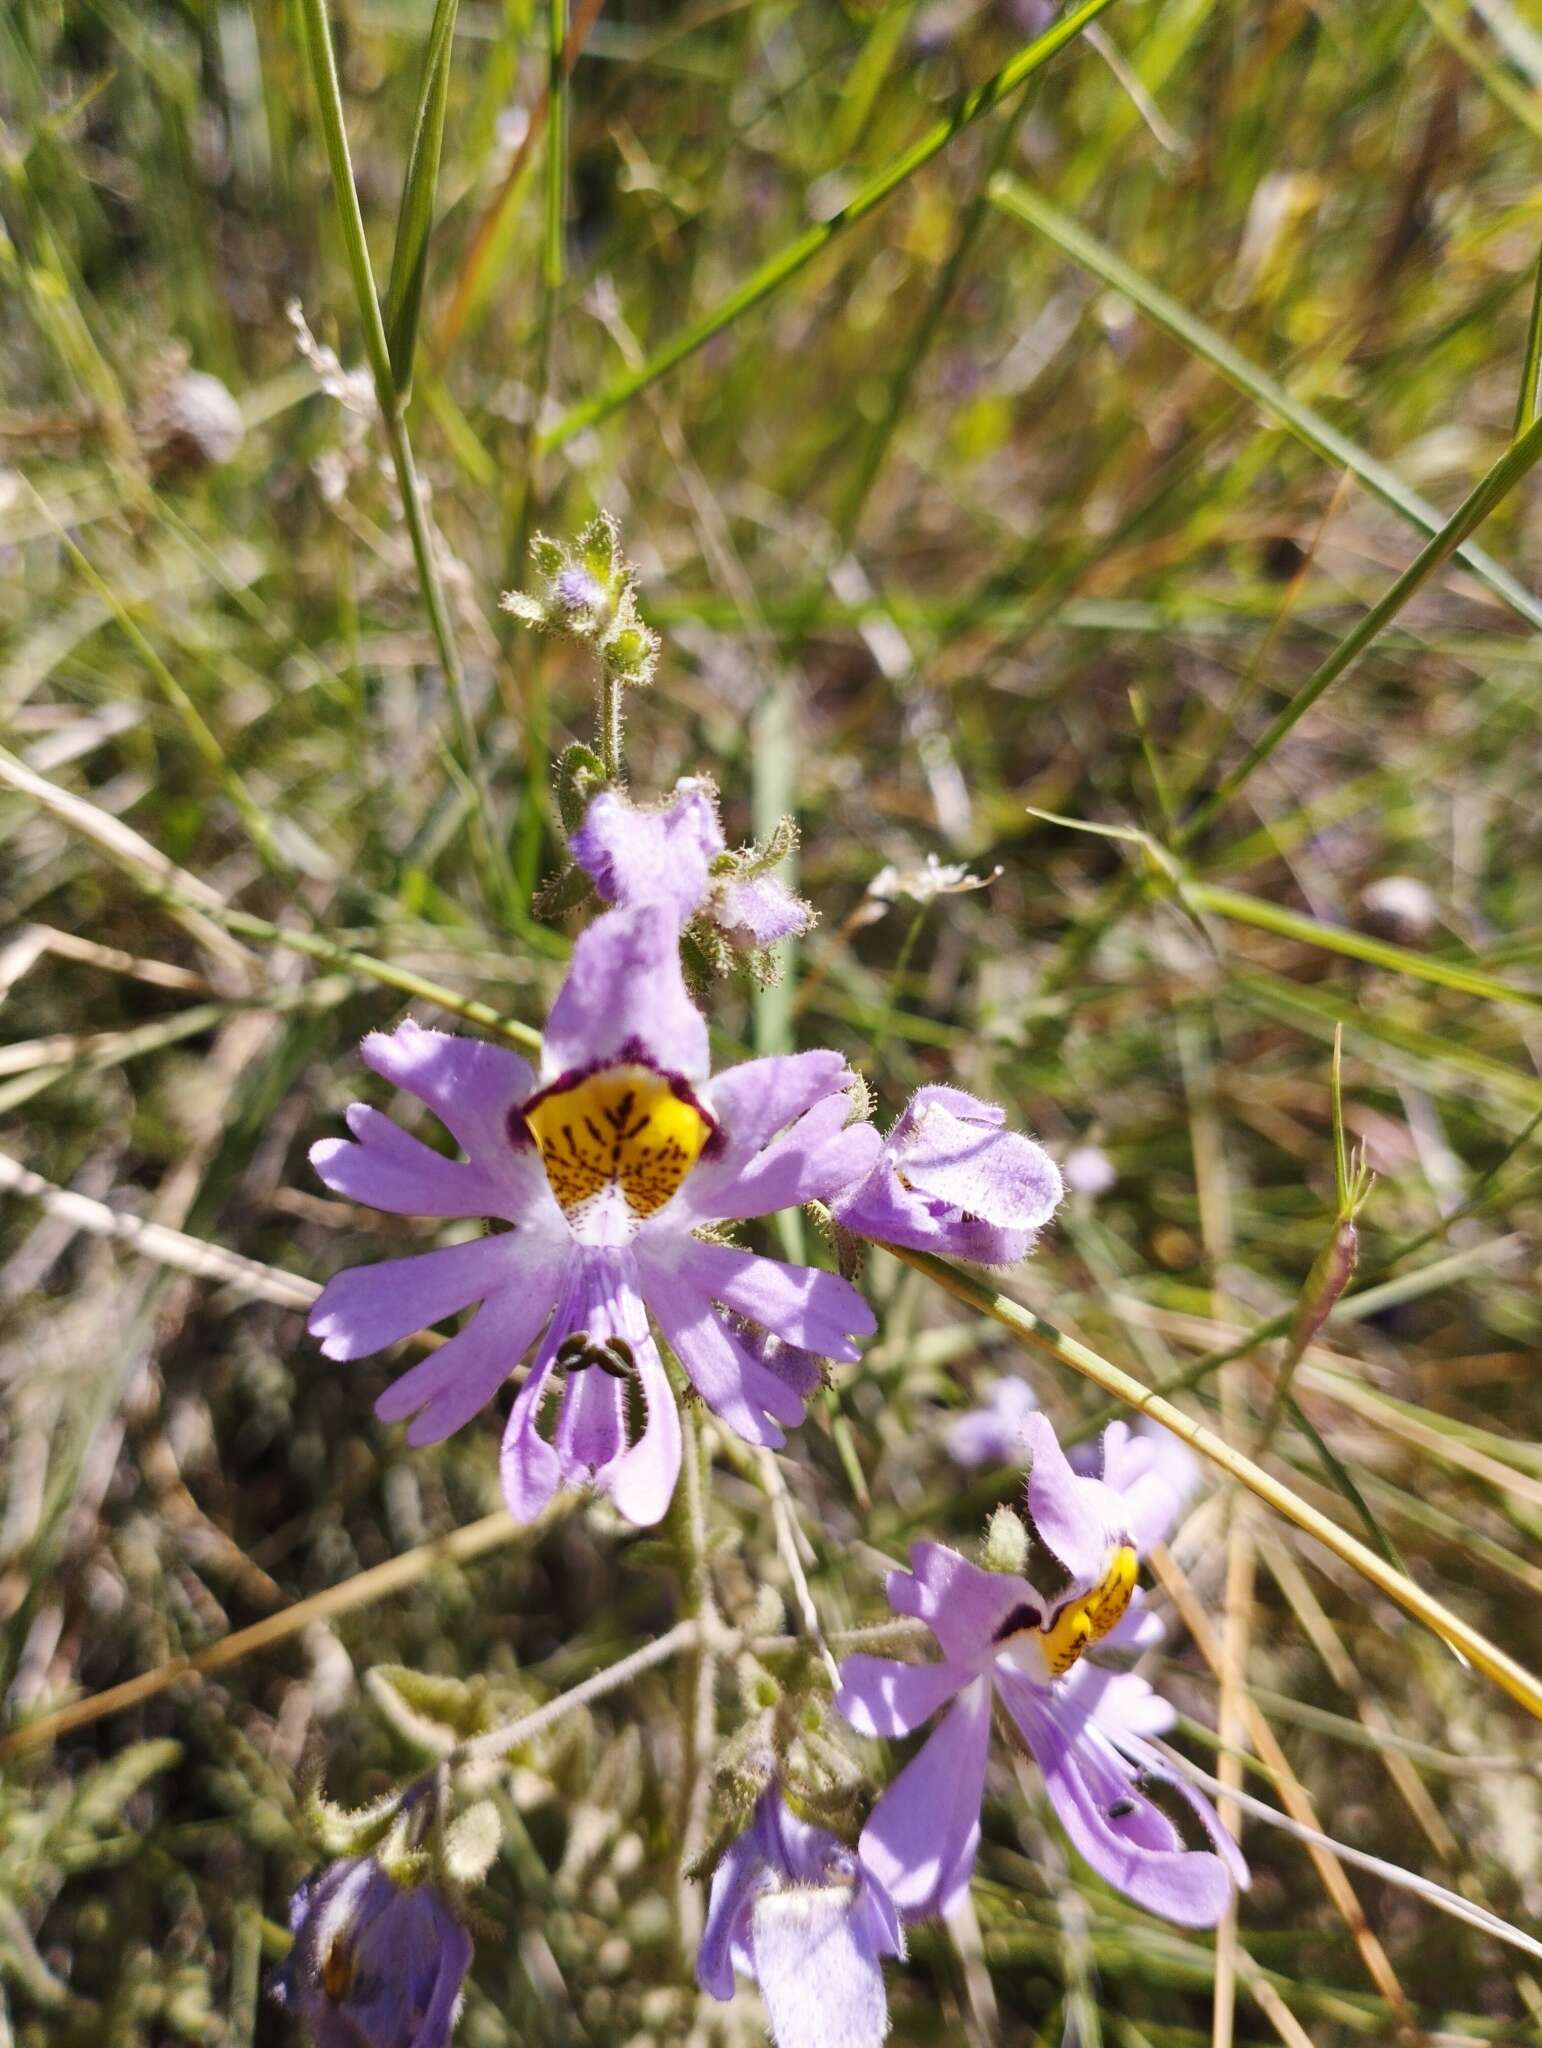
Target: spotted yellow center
[(626, 1128), (1084, 1622)]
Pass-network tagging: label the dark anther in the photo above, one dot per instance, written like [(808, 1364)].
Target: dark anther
[(612, 1355), (1120, 1808)]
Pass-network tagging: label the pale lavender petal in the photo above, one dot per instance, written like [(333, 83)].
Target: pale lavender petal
[(661, 856), (1077, 1519), (880, 1696), (625, 998), (816, 1310), (920, 1839), (809, 1163), (965, 1158), (365, 1308), (591, 1424), (965, 1608), (1128, 1840), (390, 1170), (762, 911), (952, 1179), (1154, 1472), (802, 1371), (818, 1973), (993, 1433), (733, 1383), (758, 1098), (642, 1480), (528, 1467), (469, 1085), (461, 1377), (1121, 1702), (735, 1883)]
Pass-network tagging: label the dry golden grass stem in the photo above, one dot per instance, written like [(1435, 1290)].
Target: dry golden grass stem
[(1294, 1798)]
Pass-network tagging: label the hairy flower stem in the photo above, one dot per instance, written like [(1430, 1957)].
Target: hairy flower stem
[(701, 1724)]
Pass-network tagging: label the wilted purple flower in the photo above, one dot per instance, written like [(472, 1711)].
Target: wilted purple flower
[(951, 1178), (671, 855), (995, 1433), (791, 1908), (1086, 1727), (760, 910), (373, 1965), (576, 590), (606, 1166)]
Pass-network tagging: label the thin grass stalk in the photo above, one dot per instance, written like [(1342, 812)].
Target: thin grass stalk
[(329, 98)]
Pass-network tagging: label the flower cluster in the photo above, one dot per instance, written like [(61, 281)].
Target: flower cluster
[(608, 1181)]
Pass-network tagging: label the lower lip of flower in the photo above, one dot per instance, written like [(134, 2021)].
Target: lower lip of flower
[(625, 1129), (1081, 1623)]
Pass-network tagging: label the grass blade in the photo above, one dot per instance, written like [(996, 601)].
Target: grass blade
[(414, 223), (1023, 204), (787, 262)]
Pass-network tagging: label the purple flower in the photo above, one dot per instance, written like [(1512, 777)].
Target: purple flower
[(637, 856), (1086, 1727), (759, 911), (995, 1432), (673, 854), (791, 1908), (952, 1179), (373, 1965), (607, 1166)]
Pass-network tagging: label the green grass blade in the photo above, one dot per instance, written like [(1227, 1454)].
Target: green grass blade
[(414, 223), (1291, 924), (1527, 397), (1023, 204), (787, 262)]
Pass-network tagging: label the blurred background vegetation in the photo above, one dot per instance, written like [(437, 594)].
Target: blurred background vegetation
[(1044, 499)]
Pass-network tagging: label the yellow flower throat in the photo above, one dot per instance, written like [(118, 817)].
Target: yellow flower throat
[(627, 1128), (1081, 1623)]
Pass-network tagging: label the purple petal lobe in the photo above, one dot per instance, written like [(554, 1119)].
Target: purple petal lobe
[(880, 1696), (1127, 1839), (625, 998), (808, 1163), (952, 1179), (461, 1377), (469, 1085), (818, 1311), (730, 1379), (1077, 1519), (819, 1975), (642, 1480), (761, 911), (390, 1170), (636, 856), (965, 1608), (367, 1307), (920, 1839)]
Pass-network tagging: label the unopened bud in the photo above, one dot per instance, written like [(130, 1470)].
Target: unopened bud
[(1006, 1543)]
